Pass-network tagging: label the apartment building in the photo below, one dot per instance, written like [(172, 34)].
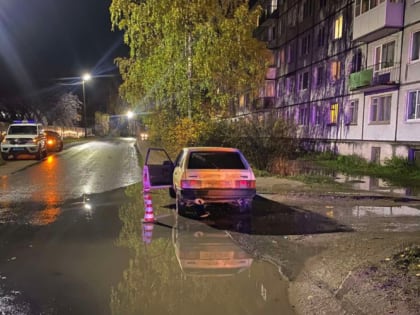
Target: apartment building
[(346, 71)]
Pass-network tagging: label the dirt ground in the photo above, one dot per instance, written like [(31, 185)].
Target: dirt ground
[(362, 271)]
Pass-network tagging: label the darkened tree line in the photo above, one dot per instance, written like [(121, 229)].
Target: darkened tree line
[(58, 107)]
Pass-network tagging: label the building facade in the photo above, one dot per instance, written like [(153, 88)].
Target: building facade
[(346, 71)]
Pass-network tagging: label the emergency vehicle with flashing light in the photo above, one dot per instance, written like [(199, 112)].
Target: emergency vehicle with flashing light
[(24, 137)]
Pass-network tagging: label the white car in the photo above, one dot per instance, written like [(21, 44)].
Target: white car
[(24, 137), (203, 175)]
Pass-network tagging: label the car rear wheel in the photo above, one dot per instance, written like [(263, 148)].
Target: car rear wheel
[(245, 206)]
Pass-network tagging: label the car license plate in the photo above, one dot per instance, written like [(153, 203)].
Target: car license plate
[(218, 183)]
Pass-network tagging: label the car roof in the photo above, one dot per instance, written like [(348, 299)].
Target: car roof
[(211, 149)]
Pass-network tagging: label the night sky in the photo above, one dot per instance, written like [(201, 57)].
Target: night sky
[(42, 41)]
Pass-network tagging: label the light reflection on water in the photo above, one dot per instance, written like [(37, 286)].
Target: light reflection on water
[(399, 211)]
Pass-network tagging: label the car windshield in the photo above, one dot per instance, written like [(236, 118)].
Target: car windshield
[(215, 160), (22, 130)]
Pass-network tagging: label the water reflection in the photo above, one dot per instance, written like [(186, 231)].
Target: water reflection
[(162, 274), (374, 184), (361, 211), (203, 251), (49, 194)]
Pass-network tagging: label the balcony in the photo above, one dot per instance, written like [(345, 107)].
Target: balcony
[(376, 77), (382, 20), (269, 12)]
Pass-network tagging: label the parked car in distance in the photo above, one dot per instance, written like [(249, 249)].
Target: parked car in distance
[(203, 175), (54, 141)]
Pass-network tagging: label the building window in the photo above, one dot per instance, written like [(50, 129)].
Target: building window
[(338, 27), (290, 53), (291, 17), (321, 36), (303, 118), (413, 106), (335, 70), (289, 85), (415, 46), (272, 33), (305, 43), (380, 109), (307, 8), (270, 88), (352, 110), (319, 76), (362, 6), (334, 113), (317, 115), (303, 81), (356, 61), (384, 56)]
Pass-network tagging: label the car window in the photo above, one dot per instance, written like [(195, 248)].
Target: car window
[(22, 130), (215, 160)]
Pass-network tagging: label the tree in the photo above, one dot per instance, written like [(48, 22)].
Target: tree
[(66, 110), (188, 57)]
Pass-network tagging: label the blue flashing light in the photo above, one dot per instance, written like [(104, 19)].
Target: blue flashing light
[(25, 121)]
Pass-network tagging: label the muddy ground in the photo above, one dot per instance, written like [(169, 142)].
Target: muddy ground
[(359, 271)]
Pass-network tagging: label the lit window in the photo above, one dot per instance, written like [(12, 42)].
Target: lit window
[(333, 113), (380, 109), (415, 46), (413, 106), (351, 112), (335, 70), (338, 27)]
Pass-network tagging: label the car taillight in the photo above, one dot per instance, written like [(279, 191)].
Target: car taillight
[(190, 183), (245, 183)]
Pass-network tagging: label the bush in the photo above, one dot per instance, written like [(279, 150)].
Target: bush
[(261, 142), (399, 164)]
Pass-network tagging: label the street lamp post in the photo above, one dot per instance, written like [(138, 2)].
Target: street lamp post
[(85, 77)]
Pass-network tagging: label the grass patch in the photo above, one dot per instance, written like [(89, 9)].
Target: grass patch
[(408, 260)]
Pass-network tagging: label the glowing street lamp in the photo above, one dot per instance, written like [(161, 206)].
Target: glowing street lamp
[(85, 77), (130, 114)]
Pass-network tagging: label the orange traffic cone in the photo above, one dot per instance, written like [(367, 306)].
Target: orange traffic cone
[(149, 217), (146, 178), (147, 233)]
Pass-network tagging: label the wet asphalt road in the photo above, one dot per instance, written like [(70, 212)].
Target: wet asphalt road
[(72, 242)]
